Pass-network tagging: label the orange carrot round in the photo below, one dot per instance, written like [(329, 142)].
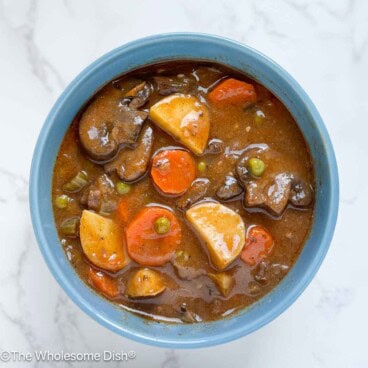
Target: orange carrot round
[(173, 171), (234, 92), (258, 245), (145, 245), (104, 283)]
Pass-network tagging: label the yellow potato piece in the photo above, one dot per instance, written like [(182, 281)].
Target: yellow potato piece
[(145, 283), (185, 118), (223, 281), (221, 229), (102, 241)]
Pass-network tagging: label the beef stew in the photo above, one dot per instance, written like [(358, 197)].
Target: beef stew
[(183, 192)]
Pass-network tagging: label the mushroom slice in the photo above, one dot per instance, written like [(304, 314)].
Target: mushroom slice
[(196, 192), (138, 95), (187, 316), (229, 189), (106, 124), (301, 193), (131, 164), (221, 229), (96, 138), (145, 283), (215, 146), (127, 126)]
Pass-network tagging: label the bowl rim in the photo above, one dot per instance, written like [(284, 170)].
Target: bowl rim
[(292, 294)]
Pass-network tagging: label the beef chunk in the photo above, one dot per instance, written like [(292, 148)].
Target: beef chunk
[(277, 193), (187, 272), (254, 196), (94, 199), (272, 194), (100, 195), (168, 85)]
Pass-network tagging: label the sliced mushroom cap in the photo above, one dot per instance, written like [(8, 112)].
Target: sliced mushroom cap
[(196, 192), (187, 316), (138, 95), (131, 164), (229, 189), (301, 193), (215, 146), (107, 124)]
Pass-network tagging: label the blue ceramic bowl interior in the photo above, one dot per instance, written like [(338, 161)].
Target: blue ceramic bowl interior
[(171, 47)]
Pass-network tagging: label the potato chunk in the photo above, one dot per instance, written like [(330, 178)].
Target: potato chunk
[(102, 241), (145, 283), (185, 118), (223, 281), (221, 229)]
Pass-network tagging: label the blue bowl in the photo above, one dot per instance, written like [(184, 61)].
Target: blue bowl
[(179, 46)]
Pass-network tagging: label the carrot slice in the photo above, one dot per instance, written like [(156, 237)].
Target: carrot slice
[(123, 211), (103, 282), (145, 245), (258, 245), (234, 92), (173, 171)]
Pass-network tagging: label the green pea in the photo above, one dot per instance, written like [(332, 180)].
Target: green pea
[(259, 117), (123, 188), (62, 201), (202, 166), (162, 225), (256, 166)]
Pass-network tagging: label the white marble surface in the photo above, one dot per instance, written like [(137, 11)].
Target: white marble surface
[(323, 44)]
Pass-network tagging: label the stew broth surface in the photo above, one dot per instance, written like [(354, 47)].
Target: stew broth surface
[(190, 294)]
